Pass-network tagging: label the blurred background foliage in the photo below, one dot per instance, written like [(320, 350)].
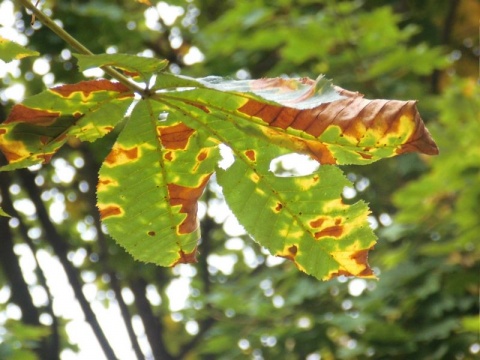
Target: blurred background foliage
[(237, 302)]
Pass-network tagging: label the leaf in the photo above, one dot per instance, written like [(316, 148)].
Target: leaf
[(36, 129), (300, 218), (134, 65), (301, 93), (11, 51), (149, 186), (352, 130), (151, 181), (309, 118), (4, 213)]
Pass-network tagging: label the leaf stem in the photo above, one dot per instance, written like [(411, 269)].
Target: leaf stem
[(78, 46)]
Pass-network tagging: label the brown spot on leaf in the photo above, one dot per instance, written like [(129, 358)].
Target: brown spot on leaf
[(199, 106), (133, 74), (361, 258), (151, 233), (289, 253), (319, 152), (293, 250), (252, 108), (250, 154), (168, 156), (364, 156), (186, 258), (87, 87), (103, 183), (175, 137), (339, 273), (367, 272), (110, 210), (187, 197), (332, 231), (279, 207), (45, 158), (119, 155), (22, 113), (284, 117), (202, 156), (317, 222)]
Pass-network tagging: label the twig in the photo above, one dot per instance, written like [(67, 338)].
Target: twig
[(78, 46)]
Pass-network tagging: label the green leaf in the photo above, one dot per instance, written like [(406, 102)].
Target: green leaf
[(11, 51), (132, 64), (151, 181), (3, 213), (300, 218), (36, 129), (470, 323), (149, 186)]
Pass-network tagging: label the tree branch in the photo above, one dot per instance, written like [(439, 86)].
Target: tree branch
[(78, 46), (153, 326), (53, 346), (60, 248), (13, 272), (445, 39)]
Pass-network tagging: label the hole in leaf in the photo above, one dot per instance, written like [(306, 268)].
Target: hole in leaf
[(163, 116), (227, 157), (293, 165)]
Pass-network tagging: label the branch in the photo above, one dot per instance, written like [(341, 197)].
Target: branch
[(445, 39), (13, 272), (78, 46), (53, 348), (153, 327), (60, 248)]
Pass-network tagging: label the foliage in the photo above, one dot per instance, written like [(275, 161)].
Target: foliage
[(10, 51), (169, 144), (426, 300)]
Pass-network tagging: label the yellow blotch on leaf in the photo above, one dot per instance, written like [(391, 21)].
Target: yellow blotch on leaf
[(290, 251), (120, 155), (13, 150), (332, 205), (403, 129), (353, 261), (108, 210), (105, 182), (255, 177), (307, 182), (277, 207), (286, 232)]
